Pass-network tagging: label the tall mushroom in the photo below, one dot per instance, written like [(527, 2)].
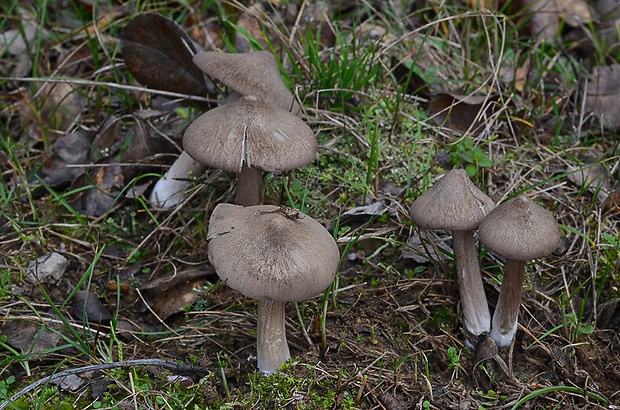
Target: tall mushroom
[(254, 73), (519, 230), (249, 136), (455, 203), (275, 255)]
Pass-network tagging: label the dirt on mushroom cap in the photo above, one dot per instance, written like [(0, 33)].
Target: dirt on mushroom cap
[(267, 255)]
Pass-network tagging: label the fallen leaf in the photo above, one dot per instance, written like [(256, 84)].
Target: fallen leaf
[(546, 17), (601, 90), (60, 105), (574, 12), (425, 248), (67, 150), (461, 112), (366, 212), (107, 181), (249, 29), (409, 80), (30, 337), (47, 269), (169, 295), (594, 178), (18, 40), (312, 19), (159, 54), (69, 383), (145, 139), (88, 308)]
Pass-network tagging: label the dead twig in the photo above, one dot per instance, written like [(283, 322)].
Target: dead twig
[(177, 367)]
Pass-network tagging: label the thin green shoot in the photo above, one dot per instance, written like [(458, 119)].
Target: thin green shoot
[(565, 389)]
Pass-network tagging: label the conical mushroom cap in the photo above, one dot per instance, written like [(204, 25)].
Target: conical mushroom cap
[(520, 229), (252, 132), (453, 203), (271, 253), (255, 73)]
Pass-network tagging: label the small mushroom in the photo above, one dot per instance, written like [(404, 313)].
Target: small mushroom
[(256, 73), (249, 136), (455, 203), (520, 230), (168, 191), (274, 255)]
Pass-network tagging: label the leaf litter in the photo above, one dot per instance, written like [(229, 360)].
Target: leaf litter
[(392, 316)]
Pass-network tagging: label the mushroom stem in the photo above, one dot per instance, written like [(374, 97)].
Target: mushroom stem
[(271, 345), (168, 191), (249, 186), (476, 315), (507, 309)]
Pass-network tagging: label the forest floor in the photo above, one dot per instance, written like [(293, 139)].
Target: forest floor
[(399, 92)]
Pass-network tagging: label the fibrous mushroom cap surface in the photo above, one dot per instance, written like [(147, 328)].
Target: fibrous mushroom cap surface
[(453, 203), (253, 132), (271, 253), (520, 229)]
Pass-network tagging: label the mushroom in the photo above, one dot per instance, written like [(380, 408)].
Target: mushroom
[(275, 255), (256, 73), (519, 230), (248, 136), (455, 203), (168, 191)]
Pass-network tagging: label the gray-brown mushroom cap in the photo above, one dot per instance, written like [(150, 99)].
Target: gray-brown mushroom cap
[(453, 203), (253, 132), (267, 253), (520, 229), (255, 73)]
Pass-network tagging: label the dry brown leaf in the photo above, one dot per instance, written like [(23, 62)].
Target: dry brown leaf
[(169, 295), (409, 80), (108, 181), (60, 106), (547, 14), (594, 178), (159, 54), (31, 337), (67, 150), (460, 112), (602, 35), (602, 95), (312, 17), (250, 21), (88, 308), (18, 41), (574, 12)]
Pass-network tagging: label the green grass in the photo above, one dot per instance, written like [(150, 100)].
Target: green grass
[(370, 134)]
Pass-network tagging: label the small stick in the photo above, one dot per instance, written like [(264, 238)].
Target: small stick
[(104, 366)]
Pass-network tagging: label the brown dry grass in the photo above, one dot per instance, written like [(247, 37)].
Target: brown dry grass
[(390, 322)]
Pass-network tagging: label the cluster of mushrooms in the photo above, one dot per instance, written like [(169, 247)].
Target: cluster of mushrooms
[(519, 230), (270, 253), (266, 252)]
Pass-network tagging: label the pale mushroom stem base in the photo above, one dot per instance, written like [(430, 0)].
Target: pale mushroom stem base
[(506, 312), (249, 187), (271, 345), (476, 315), (168, 191)]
